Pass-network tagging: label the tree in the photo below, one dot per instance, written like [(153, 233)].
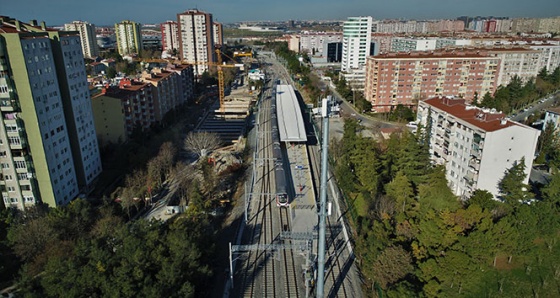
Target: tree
[(513, 190), (201, 143), (392, 265), (547, 143), (111, 72), (167, 154)]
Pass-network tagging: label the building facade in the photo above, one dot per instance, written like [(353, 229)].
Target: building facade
[(218, 33), (397, 78), (48, 149), (138, 105), (129, 38), (196, 39), (87, 37), (313, 42), (475, 145), (516, 61), (356, 47), (169, 37)]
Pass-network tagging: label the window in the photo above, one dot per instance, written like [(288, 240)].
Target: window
[(14, 140), (20, 164)]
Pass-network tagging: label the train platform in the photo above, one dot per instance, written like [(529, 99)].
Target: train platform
[(303, 207)]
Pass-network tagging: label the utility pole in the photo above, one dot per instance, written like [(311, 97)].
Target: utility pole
[(323, 200)]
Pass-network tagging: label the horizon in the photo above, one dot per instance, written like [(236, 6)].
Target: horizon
[(60, 12)]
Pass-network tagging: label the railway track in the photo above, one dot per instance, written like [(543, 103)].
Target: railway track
[(334, 258), (266, 272), (290, 272)]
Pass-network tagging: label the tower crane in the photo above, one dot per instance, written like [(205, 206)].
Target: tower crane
[(219, 67)]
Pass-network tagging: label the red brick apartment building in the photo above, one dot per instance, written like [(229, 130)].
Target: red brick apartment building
[(405, 78)]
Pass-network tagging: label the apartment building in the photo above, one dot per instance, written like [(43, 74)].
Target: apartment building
[(475, 145), (383, 41), (196, 39), (549, 56), (87, 37), (516, 61), (313, 42), (169, 37), (129, 38), (356, 46), (406, 78), (403, 44), (141, 104), (552, 115), (48, 146), (409, 44), (536, 25), (218, 33)]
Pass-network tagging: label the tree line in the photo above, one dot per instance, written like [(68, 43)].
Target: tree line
[(81, 251), (300, 71), (517, 95), (414, 237)]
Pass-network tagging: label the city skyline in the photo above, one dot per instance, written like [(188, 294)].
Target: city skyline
[(58, 12)]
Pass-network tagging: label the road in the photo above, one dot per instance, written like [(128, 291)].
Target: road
[(544, 103)]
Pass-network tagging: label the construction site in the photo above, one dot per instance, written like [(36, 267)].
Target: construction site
[(228, 117)]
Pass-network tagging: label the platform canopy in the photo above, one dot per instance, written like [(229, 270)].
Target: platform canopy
[(290, 119)]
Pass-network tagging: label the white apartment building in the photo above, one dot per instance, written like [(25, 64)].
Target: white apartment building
[(169, 37), (403, 44), (549, 56), (356, 47), (552, 115), (196, 39), (475, 145), (218, 33), (87, 37)]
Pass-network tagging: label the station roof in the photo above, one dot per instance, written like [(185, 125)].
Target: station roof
[(290, 119)]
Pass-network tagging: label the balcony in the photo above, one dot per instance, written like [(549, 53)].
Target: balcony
[(475, 164)]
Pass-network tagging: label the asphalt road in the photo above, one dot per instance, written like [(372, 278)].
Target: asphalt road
[(541, 105)]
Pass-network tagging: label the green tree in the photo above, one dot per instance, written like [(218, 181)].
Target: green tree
[(512, 188), (111, 72)]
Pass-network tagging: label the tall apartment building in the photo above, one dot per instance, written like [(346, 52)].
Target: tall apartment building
[(196, 42), (169, 36), (129, 38), (356, 46), (87, 37), (48, 146), (218, 33), (406, 78), (475, 145)]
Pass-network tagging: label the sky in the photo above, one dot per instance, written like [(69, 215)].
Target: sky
[(108, 12)]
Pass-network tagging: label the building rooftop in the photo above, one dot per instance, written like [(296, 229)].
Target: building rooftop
[(486, 119), (290, 119), (431, 54)]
